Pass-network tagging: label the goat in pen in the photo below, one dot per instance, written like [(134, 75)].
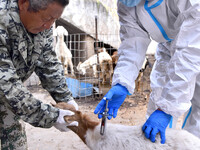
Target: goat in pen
[(62, 51), (125, 137), (105, 62), (138, 80)]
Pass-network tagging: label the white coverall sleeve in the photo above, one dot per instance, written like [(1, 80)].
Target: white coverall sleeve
[(184, 65), (134, 43)]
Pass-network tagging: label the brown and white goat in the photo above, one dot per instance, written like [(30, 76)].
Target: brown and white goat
[(62, 51), (124, 137), (105, 62), (146, 62), (115, 58), (138, 81)]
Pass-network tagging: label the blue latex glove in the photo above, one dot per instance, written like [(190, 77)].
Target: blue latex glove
[(157, 122), (116, 96)]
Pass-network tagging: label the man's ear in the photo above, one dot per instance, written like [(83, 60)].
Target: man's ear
[(23, 4)]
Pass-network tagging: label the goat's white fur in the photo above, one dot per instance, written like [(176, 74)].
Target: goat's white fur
[(104, 60), (61, 49), (123, 137), (132, 138)]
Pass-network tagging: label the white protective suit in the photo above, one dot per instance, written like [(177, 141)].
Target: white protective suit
[(175, 78)]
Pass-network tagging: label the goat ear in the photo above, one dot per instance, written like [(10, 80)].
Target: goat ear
[(70, 119), (55, 32), (76, 117), (104, 49), (73, 128), (78, 66), (65, 32)]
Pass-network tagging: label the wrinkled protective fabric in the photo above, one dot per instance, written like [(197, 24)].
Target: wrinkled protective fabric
[(158, 79), (130, 3), (173, 78), (156, 123), (116, 96), (192, 118)]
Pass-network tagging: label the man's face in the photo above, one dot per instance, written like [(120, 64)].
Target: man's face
[(36, 22)]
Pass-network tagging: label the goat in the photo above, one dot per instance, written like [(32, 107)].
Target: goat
[(105, 62), (115, 58), (141, 73), (62, 51), (124, 137), (146, 63)]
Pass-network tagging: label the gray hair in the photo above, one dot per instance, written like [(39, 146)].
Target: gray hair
[(36, 5)]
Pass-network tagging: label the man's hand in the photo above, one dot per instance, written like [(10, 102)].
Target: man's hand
[(72, 102), (157, 122), (116, 96), (61, 124)]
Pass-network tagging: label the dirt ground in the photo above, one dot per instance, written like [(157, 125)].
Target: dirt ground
[(132, 112)]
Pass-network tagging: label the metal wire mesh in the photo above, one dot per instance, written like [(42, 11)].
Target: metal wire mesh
[(82, 47)]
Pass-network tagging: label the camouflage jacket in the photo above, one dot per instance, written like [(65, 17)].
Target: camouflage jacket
[(20, 55)]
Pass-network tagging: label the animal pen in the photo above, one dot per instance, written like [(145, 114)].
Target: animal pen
[(83, 46)]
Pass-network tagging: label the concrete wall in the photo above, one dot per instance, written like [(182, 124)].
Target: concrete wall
[(81, 14)]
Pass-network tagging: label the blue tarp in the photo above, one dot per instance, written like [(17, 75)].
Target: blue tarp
[(78, 88)]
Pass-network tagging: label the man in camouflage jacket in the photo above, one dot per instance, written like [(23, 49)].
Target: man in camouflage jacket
[(26, 46)]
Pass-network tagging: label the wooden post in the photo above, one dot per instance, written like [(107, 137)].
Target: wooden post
[(96, 52)]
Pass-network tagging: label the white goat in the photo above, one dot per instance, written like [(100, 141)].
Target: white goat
[(61, 49), (105, 62), (125, 137)]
